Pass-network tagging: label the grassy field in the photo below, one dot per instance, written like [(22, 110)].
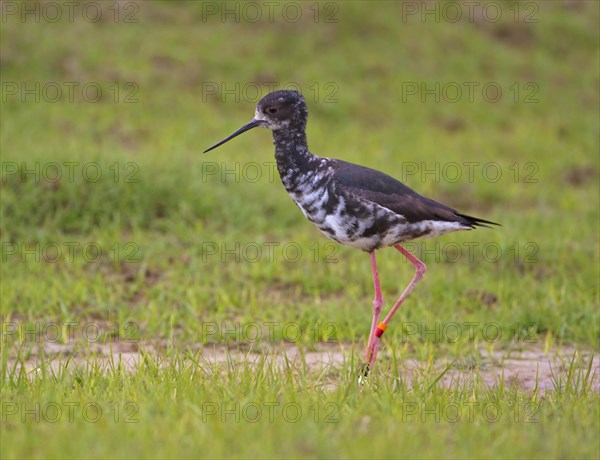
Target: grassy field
[(117, 231)]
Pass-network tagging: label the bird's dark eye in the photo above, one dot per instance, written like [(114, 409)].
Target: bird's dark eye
[(272, 109)]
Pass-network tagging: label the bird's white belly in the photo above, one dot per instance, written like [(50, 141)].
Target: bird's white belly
[(376, 227), (336, 227)]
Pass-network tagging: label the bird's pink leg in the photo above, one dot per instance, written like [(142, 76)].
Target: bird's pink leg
[(377, 303), (420, 271)]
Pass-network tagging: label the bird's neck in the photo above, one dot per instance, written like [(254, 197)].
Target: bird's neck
[(294, 160), (291, 150)]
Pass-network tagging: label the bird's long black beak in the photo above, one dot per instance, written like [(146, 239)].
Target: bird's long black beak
[(248, 126)]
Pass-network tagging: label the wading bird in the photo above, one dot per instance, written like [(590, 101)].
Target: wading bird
[(353, 205)]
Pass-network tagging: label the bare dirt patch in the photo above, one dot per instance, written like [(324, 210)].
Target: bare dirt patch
[(528, 367)]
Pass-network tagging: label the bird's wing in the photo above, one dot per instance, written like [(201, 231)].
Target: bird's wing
[(384, 190)]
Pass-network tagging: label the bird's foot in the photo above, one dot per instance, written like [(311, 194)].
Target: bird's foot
[(363, 373)]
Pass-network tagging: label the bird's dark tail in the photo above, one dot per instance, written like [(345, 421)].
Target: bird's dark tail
[(477, 222)]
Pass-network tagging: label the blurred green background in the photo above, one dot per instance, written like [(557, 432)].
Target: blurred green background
[(111, 213)]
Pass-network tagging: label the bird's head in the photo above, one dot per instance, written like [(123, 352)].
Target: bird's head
[(283, 109)]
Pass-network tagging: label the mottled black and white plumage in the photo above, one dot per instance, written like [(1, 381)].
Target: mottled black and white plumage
[(351, 204)]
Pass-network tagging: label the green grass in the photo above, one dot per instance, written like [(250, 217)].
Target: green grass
[(164, 216), (262, 411)]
